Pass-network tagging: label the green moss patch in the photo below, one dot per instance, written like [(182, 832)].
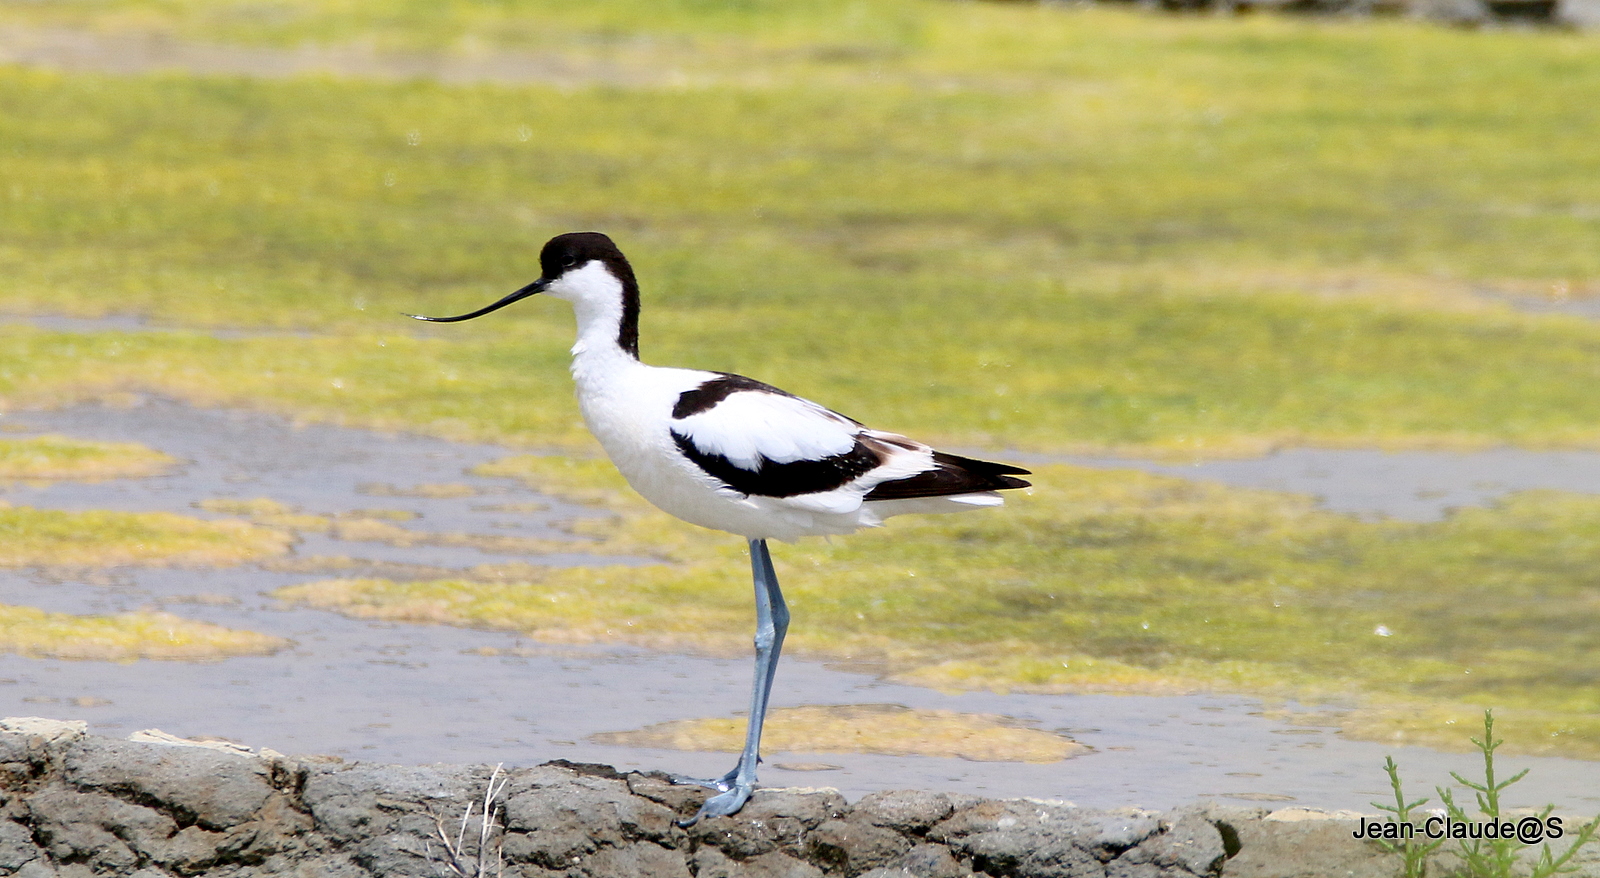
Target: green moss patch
[(60, 458), (1272, 242), (1110, 581), (125, 637), (51, 538), (375, 526), (885, 729), (987, 224)]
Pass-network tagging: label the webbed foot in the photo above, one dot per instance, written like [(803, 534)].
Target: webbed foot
[(720, 784), (722, 804)]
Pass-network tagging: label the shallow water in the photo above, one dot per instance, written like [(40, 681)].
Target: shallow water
[(413, 694), (316, 469), (134, 52), (1405, 485)]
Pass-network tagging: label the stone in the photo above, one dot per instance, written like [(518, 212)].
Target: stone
[(1191, 846), (557, 826), (191, 849), (25, 742), (357, 801), (71, 826), (156, 736), (202, 786), (778, 865), (76, 806), (772, 820), (643, 860), (16, 846), (1124, 829), (274, 830), (632, 816), (327, 866), (904, 810), (682, 799), (400, 854), (712, 863), (1306, 845), (929, 861), (49, 730), (1125, 869), (854, 846), (709, 862), (1047, 839), (103, 831)]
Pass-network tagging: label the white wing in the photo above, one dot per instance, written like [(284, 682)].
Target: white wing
[(782, 452), (749, 428)]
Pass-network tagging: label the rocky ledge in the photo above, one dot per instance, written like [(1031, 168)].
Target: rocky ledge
[(155, 806)]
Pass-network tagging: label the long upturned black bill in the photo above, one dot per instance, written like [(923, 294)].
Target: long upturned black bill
[(535, 287)]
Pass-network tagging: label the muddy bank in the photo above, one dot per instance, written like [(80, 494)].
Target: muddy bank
[(131, 52), (75, 50), (390, 692), (78, 805)]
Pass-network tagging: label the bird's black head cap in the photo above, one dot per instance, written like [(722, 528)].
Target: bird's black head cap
[(570, 252), (574, 250), (577, 249)]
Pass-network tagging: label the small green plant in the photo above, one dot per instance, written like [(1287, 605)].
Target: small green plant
[(1494, 857), (1415, 851), (1483, 857)]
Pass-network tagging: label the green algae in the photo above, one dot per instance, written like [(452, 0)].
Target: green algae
[(885, 729), (1075, 254), (1109, 581), (125, 637), (62, 458), (98, 538)]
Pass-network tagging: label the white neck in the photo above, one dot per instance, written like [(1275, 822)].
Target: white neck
[(596, 348), (596, 298)]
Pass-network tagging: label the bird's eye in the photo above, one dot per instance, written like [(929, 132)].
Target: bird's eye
[(571, 262)]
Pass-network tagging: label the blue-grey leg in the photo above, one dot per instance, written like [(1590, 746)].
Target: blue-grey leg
[(772, 622)]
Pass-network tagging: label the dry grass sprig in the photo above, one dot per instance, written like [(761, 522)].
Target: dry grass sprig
[(488, 861)]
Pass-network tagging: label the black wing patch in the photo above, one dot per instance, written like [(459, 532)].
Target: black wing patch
[(772, 479), (952, 474), (715, 390)]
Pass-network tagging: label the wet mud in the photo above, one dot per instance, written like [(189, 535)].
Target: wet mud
[(415, 694), (134, 52)]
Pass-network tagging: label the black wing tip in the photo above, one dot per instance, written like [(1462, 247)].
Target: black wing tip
[(985, 467), (953, 475)]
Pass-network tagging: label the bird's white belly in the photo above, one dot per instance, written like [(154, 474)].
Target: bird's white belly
[(633, 421)]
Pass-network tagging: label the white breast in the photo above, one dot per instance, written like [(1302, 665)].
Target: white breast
[(628, 407)]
